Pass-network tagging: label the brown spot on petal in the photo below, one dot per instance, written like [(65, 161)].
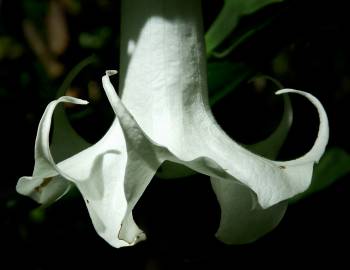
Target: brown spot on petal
[(282, 167), (43, 184)]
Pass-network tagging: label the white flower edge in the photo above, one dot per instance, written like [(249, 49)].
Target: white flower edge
[(97, 171), (113, 174), (283, 178), (240, 212), (295, 175)]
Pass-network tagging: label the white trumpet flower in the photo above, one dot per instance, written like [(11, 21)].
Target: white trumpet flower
[(164, 115)]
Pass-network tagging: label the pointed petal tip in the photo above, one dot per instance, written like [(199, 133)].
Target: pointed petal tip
[(139, 238), (119, 243), (284, 91), (303, 93), (111, 72), (82, 102), (323, 135), (74, 100)]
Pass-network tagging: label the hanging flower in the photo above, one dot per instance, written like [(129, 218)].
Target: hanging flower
[(163, 115)]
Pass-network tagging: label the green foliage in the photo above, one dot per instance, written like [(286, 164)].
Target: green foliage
[(224, 77), (334, 164), (228, 20), (35, 9), (9, 48), (239, 39), (96, 39), (37, 215)]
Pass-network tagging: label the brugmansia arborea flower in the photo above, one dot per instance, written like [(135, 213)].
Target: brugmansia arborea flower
[(163, 115)]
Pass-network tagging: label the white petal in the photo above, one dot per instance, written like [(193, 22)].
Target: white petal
[(242, 219), (166, 117), (144, 158), (43, 190), (97, 171), (210, 151), (113, 174), (320, 144), (163, 85), (46, 186), (271, 181), (65, 141)]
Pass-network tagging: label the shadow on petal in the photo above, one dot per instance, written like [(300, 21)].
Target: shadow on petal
[(242, 218)]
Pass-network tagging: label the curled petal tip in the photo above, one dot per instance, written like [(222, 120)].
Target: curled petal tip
[(83, 102), (282, 91), (74, 100), (111, 72)]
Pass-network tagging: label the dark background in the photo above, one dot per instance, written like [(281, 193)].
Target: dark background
[(305, 46)]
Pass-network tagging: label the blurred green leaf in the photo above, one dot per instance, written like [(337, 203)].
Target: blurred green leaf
[(37, 215), (334, 164), (10, 48), (74, 73), (35, 9), (96, 39), (73, 6), (228, 19), (224, 77), (241, 38)]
